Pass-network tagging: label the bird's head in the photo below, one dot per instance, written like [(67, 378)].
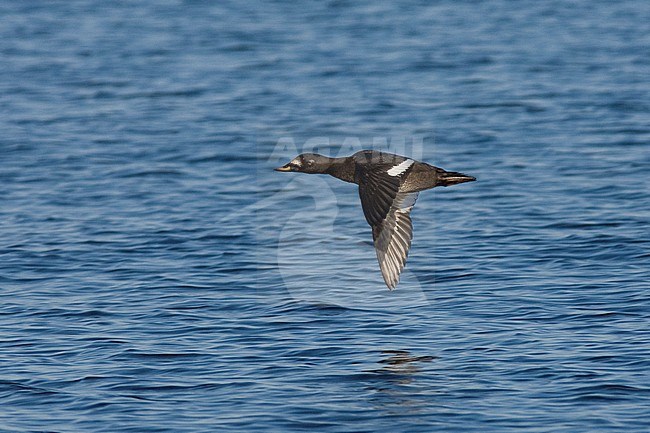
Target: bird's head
[(307, 163)]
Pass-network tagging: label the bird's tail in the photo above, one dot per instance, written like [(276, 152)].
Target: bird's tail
[(448, 178)]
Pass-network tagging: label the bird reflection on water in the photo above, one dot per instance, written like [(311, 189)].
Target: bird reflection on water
[(401, 362), (396, 383)]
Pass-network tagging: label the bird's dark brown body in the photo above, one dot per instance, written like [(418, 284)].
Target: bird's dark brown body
[(388, 187)]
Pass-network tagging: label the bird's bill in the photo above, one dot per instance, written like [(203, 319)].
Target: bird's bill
[(286, 167)]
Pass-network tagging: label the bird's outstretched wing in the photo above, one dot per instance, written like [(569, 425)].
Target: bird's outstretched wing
[(388, 212), (393, 238), (379, 176)]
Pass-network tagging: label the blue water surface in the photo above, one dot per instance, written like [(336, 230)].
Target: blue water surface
[(157, 275)]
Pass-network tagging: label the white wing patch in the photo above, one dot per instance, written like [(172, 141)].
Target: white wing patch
[(400, 168)]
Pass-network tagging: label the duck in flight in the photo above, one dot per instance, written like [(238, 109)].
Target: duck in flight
[(388, 187)]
